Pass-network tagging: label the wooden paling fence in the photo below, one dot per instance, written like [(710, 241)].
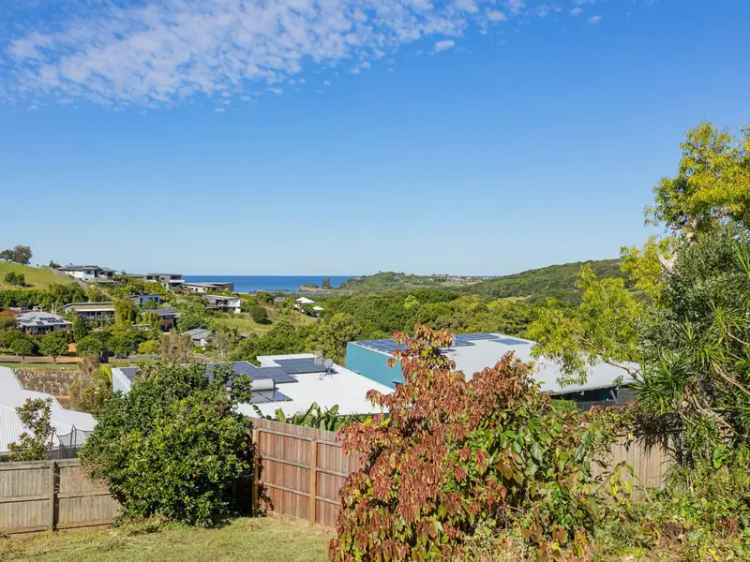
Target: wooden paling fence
[(301, 470), (49, 495)]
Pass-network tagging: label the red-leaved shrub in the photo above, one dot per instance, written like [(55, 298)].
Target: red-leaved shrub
[(454, 455)]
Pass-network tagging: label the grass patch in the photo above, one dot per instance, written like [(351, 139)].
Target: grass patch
[(36, 277), (268, 539), (246, 326)]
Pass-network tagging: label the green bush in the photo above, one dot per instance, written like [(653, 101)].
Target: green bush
[(259, 314), (174, 445)]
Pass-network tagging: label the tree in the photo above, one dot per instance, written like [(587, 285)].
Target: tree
[(326, 284), (33, 445), (80, 328), (91, 346), (54, 344), (259, 314), (125, 312), (712, 183), (332, 334), (148, 347), (411, 302), (175, 348), (174, 445), (91, 389), (454, 456), (19, 254), (21, 344)]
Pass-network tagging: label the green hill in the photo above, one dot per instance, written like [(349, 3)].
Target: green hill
[(36, 277), (558, 281)]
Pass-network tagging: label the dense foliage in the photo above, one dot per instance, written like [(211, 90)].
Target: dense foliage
[(174, 446), (19, 254), (454, 456)]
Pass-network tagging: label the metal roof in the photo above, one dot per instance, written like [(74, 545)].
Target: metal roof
[(474, 352)]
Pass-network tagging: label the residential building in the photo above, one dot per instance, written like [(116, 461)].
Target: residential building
[(290, 383), (167, 317), (167, 280), (147, 300), (605, 384), (92, 311), (223, 303), (71, 428), (200, 337), (89, 273), (302, 303), (205, 288), (37, 323)]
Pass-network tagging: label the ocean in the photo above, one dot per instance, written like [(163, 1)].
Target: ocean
[(270, 283)]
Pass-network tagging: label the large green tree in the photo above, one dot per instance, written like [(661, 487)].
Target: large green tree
[(174, 445)]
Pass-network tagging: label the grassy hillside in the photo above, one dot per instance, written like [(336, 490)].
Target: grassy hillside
[(556, 281), (36, 277), (390, 280)]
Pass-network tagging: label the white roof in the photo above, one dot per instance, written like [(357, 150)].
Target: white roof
[(40, 319), (343, 388), (305, 300), (13, 395)]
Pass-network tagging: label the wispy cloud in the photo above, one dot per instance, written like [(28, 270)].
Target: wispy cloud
[(593, 20), (444, 45), (155, 52)]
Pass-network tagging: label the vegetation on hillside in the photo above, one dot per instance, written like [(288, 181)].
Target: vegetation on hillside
[(34, 277)]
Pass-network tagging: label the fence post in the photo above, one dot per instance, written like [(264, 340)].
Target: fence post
[(313, 480), (256, 475), (52, 495)]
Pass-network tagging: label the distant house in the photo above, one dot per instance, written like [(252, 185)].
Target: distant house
[(92, 311), (38, 323), (205, 288), (167, 280), (223, 304), (200, 336), (290, 383), (71, 428), (317, 310), (145, 300), (167, 317), (303, 302), (89, 273)]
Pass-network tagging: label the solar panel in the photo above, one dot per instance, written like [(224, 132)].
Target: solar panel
[(279, 375), (479, 336), (301, 366), (268, 396)]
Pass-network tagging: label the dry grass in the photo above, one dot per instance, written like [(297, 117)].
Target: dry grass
[(243, 540), (36, 277)]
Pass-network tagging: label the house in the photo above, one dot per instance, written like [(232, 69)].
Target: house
[(200, 337), (71, 428), (302, 303), (223, 304), (317, 310), (606, 384), (146, 300), (89, 273), (92, 311), (167, 280), (37, 323), (290, 383), (205, 288), (167, 317)]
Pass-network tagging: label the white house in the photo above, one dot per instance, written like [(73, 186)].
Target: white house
[(223, 304), (89, 273), (71, 427), (302, 302)]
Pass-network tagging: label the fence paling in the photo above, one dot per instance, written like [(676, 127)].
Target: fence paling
[(294, 465), (49, 495)]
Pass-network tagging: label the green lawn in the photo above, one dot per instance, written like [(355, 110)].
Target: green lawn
[(36, 277), (243, 540), (246, 326)]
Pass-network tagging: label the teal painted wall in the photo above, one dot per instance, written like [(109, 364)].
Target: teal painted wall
[(372, 364)]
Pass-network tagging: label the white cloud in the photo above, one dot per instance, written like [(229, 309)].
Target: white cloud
[(496, 15), (444, 45), (161, 51), (577, 11), (593, 20)]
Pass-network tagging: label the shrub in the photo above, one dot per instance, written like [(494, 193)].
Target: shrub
[(33, 445), (259, 314), (454, 456), (174, 445), (17, 279)]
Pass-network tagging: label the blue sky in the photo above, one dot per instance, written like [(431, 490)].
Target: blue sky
[(352, 136)]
